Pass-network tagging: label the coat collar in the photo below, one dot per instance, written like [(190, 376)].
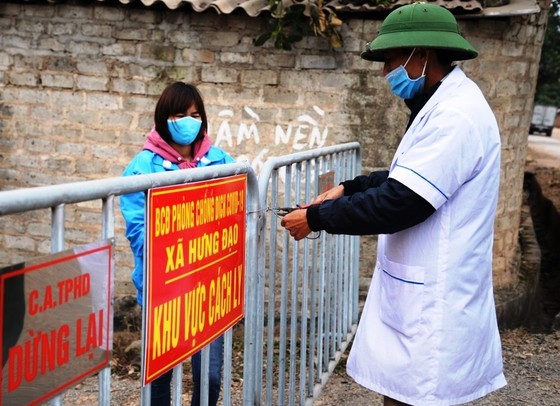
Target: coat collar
[(448, 83)]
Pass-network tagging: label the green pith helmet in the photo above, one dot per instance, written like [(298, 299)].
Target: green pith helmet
[(420, 25)]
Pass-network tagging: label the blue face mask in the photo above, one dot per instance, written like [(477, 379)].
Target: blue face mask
[(402, 85), (184, 130)]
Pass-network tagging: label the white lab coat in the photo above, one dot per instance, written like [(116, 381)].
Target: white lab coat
[(428, 333)]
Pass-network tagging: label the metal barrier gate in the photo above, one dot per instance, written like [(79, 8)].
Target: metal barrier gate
[(311, 303), (56, 198), (301, 309)]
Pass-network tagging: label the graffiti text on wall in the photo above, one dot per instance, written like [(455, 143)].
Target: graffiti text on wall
[(306, 132)]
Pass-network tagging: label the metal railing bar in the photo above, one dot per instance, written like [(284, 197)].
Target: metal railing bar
[(271, 292), (58, 215), (107, 231), (20, 200), (276, 162), (305, 296), (294, 296), (228, 355)]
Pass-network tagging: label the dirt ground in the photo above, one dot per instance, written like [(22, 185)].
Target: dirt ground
[(532, 369), (531, 361), (544, 161)]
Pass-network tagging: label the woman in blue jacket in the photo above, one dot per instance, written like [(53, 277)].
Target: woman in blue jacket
[(178, 140)]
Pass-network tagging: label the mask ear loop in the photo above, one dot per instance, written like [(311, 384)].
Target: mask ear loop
[(410, 56), (425, 64)]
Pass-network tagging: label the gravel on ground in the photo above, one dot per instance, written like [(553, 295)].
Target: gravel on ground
[(531, 364)]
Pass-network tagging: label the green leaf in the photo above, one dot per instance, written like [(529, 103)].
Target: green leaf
[(289, 24), (260, 40)]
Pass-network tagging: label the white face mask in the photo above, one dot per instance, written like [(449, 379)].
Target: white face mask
[(402, 85)]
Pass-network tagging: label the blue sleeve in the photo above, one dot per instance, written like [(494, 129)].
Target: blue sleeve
[(133, 206), (228, 159), (132, 209)]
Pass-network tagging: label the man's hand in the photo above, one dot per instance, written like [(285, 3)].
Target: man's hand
[(296, 223), (334, 193)]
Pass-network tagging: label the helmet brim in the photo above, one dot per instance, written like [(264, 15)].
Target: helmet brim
[(456, 47)]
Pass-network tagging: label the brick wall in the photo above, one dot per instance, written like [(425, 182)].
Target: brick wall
[(78, 84)]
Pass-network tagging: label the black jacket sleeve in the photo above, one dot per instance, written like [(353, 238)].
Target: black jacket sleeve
[(385, 209), (363, 182)]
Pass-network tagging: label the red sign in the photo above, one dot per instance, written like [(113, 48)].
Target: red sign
[(56, 320), (195, 268)]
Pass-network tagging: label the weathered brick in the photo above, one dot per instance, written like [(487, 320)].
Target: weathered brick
[(145, 72), (38, 229), (317, 62), (83, 48), (66, 98), (70, 148), (119, 49), (62, 28), (19, 242), (139, 103), (11, 10), (102, 101), (220, 39), (104, 151), (185, 37), (145, 17), (259, 77), (236, 57), (128, 86), (78, 116), (510, 48), (109, 13), (67, 131), (97, 135), (57, 80), (52, 44), (39, 144), (92, 83), (98, 168), (24, 26), (8, 175), (137, 34), (25, 128), (23, 78), (281, 97), (99, 29), (220, 75), (278, 60), (115, 119), (156, 52), (58, 164)]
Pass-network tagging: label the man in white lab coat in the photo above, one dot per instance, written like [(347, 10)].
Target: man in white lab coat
[(428, 333)]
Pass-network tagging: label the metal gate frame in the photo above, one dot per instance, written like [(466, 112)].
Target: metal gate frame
[(328, 266)]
